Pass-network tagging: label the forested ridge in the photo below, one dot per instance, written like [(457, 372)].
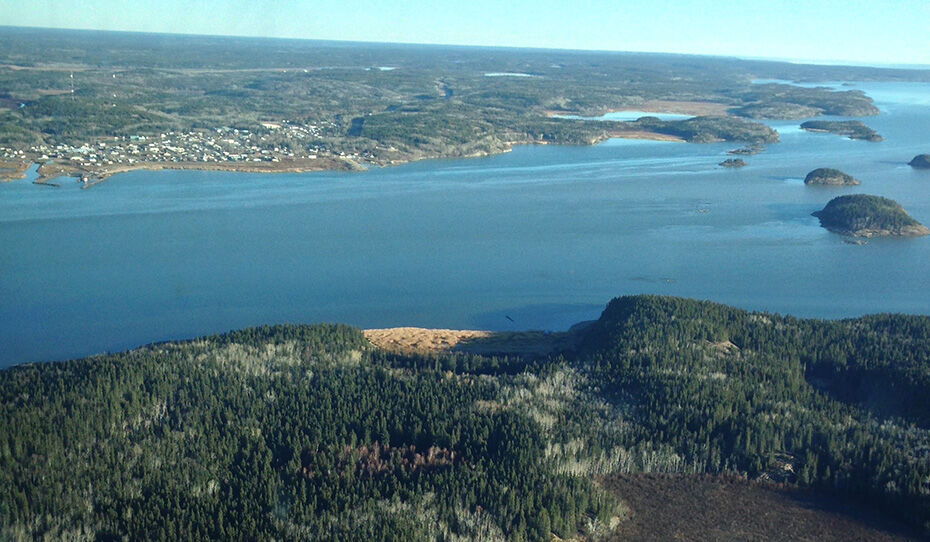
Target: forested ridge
[(308, 432)]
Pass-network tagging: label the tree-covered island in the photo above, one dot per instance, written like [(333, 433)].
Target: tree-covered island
[(830, 177), (921, 161), (862, 215)]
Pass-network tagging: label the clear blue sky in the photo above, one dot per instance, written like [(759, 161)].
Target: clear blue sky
[(876, 31)]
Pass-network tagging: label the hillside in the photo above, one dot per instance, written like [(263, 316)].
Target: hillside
[(862, 215), (294, 432)]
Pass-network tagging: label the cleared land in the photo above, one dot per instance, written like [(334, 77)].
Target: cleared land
[(663, 507), (424, 341)]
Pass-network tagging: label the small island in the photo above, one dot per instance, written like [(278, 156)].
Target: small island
[(921, 161), (829, 177), (861, 215), (733, 162), (853, 129), (747, 150)]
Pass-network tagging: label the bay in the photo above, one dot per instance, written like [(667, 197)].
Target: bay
[(543, 235)]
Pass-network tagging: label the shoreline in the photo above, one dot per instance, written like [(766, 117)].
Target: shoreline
[(92, 175), (50, 171)]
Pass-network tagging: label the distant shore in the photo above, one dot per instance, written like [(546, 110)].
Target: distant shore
[(95, 174)]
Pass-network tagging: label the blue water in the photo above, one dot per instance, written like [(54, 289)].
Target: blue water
[(545, 235)]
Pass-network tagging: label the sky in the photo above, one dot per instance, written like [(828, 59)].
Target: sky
[(852, 31)]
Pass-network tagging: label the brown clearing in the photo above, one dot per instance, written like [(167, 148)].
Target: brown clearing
[(681, 107), (424, 341), (641, 134), (667, 507)]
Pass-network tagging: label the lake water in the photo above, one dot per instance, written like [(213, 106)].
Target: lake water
[(545, 235)]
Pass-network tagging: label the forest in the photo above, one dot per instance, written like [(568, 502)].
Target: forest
[(309, 432)]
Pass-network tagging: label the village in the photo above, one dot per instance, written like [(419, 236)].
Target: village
[(268, 142)]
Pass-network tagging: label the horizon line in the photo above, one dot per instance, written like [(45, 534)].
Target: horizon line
[(783, 60)]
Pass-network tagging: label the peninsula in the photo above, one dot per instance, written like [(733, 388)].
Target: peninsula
[(853, 129), (710, 129), (830, 177), (861, 215)]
